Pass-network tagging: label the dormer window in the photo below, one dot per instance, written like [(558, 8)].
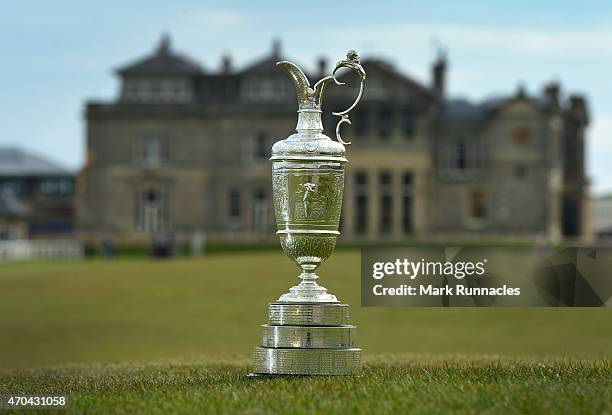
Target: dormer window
[(266, 90), (164, 76), (157, 90)]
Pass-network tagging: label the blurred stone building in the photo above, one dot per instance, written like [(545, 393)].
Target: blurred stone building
[(36, 197), (184, 149)]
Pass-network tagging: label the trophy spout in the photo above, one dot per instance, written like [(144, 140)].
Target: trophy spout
[(305, 94)]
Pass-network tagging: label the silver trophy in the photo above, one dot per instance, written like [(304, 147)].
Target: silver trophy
[(308, 331)]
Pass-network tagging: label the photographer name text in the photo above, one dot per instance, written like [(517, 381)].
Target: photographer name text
[(433, 271)]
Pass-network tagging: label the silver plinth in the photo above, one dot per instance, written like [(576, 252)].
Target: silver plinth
[(308, 332), (307, 348)]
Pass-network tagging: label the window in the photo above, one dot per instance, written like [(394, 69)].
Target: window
[(56, 186), (145, 90), (260, 211), (386, 202), (477, 205), (361, 202), (235, 207), (157, 90), (363, 122), (520, 171), (15, 187), (408, 123), (260, 146), (521, 134), (151, 151), (459, 157), (131, 90), (150, 211), (375, 89), (407, 195), (385, 120), (167, 91), (266, 90)]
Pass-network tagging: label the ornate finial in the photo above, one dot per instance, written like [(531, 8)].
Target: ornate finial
[(352, 56)]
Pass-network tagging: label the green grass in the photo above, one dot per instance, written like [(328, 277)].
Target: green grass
[(137, 309), (393, 385), (63, 324)]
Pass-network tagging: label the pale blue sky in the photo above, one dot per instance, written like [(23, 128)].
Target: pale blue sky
[(55, 55)]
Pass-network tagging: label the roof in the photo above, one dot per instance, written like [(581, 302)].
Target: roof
[(163, 62), (16, 162), (393, 74), (267, 63), (463, 110), (10, 207)]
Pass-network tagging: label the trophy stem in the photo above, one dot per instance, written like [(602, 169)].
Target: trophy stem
[(308, 291)]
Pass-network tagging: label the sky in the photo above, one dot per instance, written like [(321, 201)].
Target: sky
[(57, 55)]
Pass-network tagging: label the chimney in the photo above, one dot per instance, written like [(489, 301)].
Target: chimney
[(164, 45), (439, 74), (578, 107), (551, 93), (521, 92), (226, 63), (322, 65), (276, 48)]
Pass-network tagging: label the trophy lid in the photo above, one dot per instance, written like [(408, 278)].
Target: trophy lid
[(309, 142), (301, 146)]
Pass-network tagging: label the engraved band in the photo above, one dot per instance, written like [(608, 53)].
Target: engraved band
[(322, 314), (317, 337), (306, 361)]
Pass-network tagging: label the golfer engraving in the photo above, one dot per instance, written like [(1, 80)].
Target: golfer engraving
[(308, 189)]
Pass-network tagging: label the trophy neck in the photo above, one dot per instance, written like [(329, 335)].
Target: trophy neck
[(308, 291), (309, 121)]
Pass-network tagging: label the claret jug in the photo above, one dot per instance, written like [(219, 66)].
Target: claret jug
[(308, 330), (308, 182)]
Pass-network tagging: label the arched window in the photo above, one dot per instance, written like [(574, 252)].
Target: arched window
[(151, 212)]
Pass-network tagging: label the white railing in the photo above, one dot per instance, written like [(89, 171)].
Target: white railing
[(39, 249)]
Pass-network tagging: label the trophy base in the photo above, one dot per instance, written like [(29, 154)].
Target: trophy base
[(307, 339), (306, 361)]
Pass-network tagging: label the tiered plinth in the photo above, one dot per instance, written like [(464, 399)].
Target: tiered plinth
[(307, 339)]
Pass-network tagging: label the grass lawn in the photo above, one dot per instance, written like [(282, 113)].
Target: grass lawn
[(198, 319), (137, 309), (393, 385)]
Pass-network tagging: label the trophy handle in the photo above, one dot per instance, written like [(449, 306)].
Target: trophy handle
[(351, 62)]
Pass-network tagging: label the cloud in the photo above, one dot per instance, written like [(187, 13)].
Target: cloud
[(492, 40), (217, 18)]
